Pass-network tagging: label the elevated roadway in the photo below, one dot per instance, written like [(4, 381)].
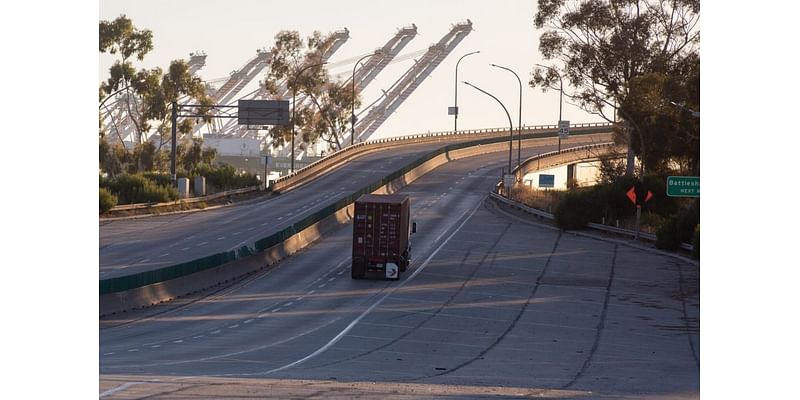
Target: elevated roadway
[(135, 245), (492, 306)]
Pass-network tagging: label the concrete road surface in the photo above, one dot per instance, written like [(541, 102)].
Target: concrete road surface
[(492, 306)]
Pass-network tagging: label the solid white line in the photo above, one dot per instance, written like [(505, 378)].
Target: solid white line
[(118, 389), (355, 322)]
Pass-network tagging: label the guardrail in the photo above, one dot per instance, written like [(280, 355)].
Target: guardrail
[(600, 227), (120, 284)]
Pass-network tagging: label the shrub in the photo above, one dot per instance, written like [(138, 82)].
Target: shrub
[(574, 210), (135, 188), (224, 177), (107, 200), (667, 235), (696, 243)]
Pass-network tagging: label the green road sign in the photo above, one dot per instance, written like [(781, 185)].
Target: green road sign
[(683, 186)]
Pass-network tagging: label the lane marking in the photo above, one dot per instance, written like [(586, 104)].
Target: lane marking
[(369, 310), (119, 388)]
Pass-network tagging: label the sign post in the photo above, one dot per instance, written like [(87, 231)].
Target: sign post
[(638, 196)]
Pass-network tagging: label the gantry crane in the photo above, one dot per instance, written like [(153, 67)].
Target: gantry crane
[(403, 88), (367, 72)]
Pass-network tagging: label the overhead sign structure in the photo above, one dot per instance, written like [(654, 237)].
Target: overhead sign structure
[(263, 112), (683, 186), (547, 181), (452, 110), (563, 129)]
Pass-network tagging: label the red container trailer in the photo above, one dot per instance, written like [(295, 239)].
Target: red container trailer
[(381, 235)]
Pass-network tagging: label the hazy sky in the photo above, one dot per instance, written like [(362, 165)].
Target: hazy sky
[(230, 32)]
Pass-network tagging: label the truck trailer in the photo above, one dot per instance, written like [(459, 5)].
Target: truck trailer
[(381, 233)]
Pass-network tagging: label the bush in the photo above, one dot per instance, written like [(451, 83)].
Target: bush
[(679, 228), (667, 235), (224, 177), (107, 200), (136, 188), (575, 209), (696, 243)]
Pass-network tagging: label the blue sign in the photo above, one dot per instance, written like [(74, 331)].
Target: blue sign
[(547, 181)]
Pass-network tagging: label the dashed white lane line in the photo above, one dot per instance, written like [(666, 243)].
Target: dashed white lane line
[(202, 243), (199, 337), (144, 261), (251, 229), (322, 286), (248, 321), (133, 350), (276, 310), (289, 304), (221, 238), (237, 233), (216, 332), (185, 249), (178, 341), (233, 326), (155, 346), (163, 255)]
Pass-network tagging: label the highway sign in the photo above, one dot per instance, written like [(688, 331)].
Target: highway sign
[(683, 186), (263, 112), (563, 129), (452, 110), (547, 181)]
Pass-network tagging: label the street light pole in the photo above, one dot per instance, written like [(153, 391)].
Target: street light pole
[(560, 98), (294, 95), (353, 115), (519, 123), (511, 126), (455, 116)]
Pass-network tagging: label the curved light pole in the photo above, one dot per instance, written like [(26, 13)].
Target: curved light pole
[(353, 115), (455, 116), (294, 94), (511, 127), (519, 124), (560, 100)]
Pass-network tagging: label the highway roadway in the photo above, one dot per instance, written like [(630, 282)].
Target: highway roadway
[(493, 305), (130, 246)]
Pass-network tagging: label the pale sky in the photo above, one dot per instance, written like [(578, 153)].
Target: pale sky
[(230, 32)]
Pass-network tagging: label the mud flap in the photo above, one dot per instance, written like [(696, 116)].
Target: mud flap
[(392, 271)]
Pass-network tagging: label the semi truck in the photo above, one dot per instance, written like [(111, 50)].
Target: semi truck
[(381, 233)]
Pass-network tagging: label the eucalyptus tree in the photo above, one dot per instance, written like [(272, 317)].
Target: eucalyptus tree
[(150, 93), (326, 114), (610, 51)]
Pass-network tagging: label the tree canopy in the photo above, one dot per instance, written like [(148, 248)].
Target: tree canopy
[(630, 60), (146, 95), (293, 67)]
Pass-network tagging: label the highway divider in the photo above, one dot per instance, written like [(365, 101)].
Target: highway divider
[(151, 287)]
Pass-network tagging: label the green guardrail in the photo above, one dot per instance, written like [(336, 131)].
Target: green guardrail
[(123, 283)]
